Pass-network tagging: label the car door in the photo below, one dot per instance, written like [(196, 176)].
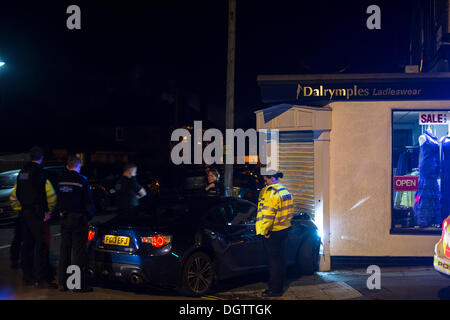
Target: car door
[(245, 247)]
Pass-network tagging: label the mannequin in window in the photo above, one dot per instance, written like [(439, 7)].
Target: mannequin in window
[(427, 206), (445, 176), (423, 138)]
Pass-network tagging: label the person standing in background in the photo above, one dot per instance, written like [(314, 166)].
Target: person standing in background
[(128, 191), (32, 195)]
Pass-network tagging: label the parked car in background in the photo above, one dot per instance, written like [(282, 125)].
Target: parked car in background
[(190, 243), (7, 181), (195, 180), (9, 178), (442, 250), (247, 185)]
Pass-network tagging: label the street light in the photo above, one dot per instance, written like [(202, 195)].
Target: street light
[(2, 63)]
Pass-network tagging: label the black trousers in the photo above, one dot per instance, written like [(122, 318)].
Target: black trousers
[(34, 253), (275, 248), (73, 251), (16, 244)]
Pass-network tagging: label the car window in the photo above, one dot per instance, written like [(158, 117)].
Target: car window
[(7, 181), (219, 215), (244, 213)]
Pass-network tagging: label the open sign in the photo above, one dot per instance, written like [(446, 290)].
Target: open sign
[(406, 183), (433, 118)]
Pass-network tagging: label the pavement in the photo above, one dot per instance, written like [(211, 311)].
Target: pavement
[(396, 283)]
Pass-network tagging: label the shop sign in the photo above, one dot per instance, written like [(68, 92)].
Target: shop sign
[(433, 118), (355, 90), (406, 183)]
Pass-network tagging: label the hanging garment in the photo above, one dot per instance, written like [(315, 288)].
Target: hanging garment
[(405, 199), (402, 164), (427, 205), (407, 161), (445, 177)]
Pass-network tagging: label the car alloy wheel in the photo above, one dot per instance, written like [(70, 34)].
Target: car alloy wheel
[(198, 274)]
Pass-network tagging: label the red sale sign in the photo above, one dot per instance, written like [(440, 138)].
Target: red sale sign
[(406, 183)]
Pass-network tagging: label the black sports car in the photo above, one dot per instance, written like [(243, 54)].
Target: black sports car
[(190, 243)]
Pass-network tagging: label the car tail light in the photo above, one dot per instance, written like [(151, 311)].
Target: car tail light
[(91, 235), (91, 232), (157, 241)]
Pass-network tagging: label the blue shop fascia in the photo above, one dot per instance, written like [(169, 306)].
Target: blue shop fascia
[(414, 128)]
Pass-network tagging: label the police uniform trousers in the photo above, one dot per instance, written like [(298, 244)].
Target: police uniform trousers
[(275, 248), (73, 251), (16, 244), (34, 257)]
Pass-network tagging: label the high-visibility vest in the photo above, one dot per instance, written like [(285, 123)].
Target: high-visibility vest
[(275, 209), (49, 190)]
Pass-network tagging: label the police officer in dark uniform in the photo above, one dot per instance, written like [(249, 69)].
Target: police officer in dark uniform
[(31, 193), (76, 207), (128, 191)]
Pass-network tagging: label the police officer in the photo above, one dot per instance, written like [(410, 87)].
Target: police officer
[(16, 244), (128, 190), (76, 207), (32, 196), (275, 212)]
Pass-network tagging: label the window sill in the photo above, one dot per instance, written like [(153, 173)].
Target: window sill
[(417, 231)]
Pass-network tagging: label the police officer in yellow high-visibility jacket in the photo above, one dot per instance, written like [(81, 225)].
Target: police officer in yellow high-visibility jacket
[(16, 244), (275, 212), (49, 190), (35, 257)]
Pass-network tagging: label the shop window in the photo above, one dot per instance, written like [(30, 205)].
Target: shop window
[(421, 170)]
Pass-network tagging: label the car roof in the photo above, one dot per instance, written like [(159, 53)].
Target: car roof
[(10, 172), (45, 167), (200, 198), (209, 201)]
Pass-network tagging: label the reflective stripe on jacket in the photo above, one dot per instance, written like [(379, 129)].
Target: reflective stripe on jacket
[(50, 192), (275, 209)]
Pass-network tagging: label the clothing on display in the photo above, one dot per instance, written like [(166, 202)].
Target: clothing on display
[(427, 205), (407, 161), (445, 176)]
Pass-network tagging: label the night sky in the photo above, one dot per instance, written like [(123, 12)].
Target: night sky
[(133, 62)]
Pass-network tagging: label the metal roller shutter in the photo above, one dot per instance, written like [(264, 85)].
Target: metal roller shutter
[(296, 161)]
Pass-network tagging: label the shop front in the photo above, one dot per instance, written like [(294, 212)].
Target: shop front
[(368, 157)]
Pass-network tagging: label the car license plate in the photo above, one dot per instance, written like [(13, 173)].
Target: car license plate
[(116, 240)]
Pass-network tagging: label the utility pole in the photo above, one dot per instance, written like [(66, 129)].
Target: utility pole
[(229, 119)]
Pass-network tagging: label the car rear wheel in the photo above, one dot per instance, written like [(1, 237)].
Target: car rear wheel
[(308, 257), (198, 275)]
